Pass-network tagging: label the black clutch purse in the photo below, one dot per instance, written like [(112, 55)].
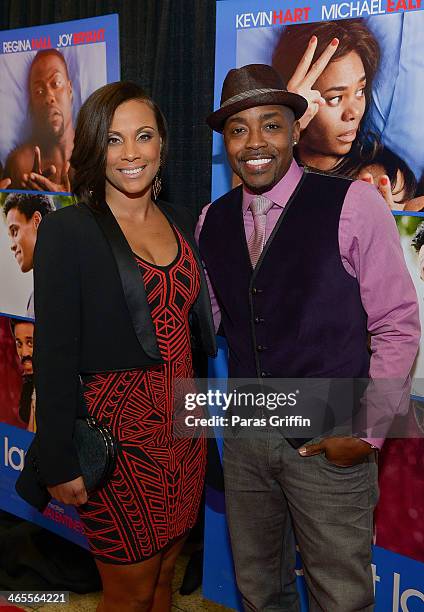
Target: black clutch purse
[(97, 451)]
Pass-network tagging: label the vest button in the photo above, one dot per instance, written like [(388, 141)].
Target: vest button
[(258, 319), (261, 348), (265, 374), (255, 290)]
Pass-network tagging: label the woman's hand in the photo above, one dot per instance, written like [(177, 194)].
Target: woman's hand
[(306, 75), (72, 492), (383, 185), (374, 176)]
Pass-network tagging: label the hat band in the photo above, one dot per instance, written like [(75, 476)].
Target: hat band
[(250, 93)]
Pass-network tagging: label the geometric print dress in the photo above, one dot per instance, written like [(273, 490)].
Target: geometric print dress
[(154, 494)]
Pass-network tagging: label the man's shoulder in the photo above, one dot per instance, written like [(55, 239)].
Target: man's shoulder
[(223, 204), (218, 213), (365, 200), (234, 194), (22, 157), (27, 148), (328, 191), (321, 177)]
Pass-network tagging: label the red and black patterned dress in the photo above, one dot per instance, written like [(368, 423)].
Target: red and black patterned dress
[(153, 497)]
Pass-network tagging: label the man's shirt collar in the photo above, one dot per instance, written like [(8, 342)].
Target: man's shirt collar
[(281, 192)]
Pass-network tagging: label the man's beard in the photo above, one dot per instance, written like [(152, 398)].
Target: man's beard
[(44, 129), (56, 132), (23, 361)]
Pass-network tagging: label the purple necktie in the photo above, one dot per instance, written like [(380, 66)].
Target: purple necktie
[(259, 207)]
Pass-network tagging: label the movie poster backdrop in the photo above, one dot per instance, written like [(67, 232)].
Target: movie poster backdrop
[(60, 64), (249, 31), (89, 50)]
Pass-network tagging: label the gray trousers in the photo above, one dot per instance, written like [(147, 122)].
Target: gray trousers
[(273, 494)]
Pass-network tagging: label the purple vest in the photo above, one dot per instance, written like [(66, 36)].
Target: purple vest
[(299, 313)]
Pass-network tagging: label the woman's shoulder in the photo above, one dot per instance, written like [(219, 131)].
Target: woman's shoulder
[(69, 223), (70, 215)]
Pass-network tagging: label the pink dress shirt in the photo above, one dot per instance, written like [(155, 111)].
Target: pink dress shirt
[(370, 251)]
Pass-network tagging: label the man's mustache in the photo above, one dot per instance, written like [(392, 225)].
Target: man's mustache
[(26, 358), (51, 112)]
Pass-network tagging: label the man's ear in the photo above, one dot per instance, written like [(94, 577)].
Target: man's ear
[(71, 91), (296, 132), (36, 219)]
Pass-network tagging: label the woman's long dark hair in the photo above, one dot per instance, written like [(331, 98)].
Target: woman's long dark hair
[(353, 35), (91, 136)]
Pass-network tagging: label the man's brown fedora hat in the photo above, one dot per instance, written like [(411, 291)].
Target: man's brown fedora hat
[(253, 85)]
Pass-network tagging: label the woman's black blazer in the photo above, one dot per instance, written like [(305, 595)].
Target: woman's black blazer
[(92, 315)]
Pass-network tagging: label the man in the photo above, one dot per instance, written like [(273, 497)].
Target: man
[(23, 333), (42, 163), (23, 212), (312, 264)]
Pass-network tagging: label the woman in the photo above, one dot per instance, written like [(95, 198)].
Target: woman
[(338, 87), (117, 283)]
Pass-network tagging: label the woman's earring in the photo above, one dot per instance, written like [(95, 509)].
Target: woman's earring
[(157, 185), (294, 143)]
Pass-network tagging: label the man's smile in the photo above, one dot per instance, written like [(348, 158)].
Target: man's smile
[(258, 163)]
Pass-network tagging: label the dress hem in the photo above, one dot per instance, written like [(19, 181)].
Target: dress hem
[(168, 545)]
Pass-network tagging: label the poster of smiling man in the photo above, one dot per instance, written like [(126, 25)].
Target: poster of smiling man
[(46, 74)]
